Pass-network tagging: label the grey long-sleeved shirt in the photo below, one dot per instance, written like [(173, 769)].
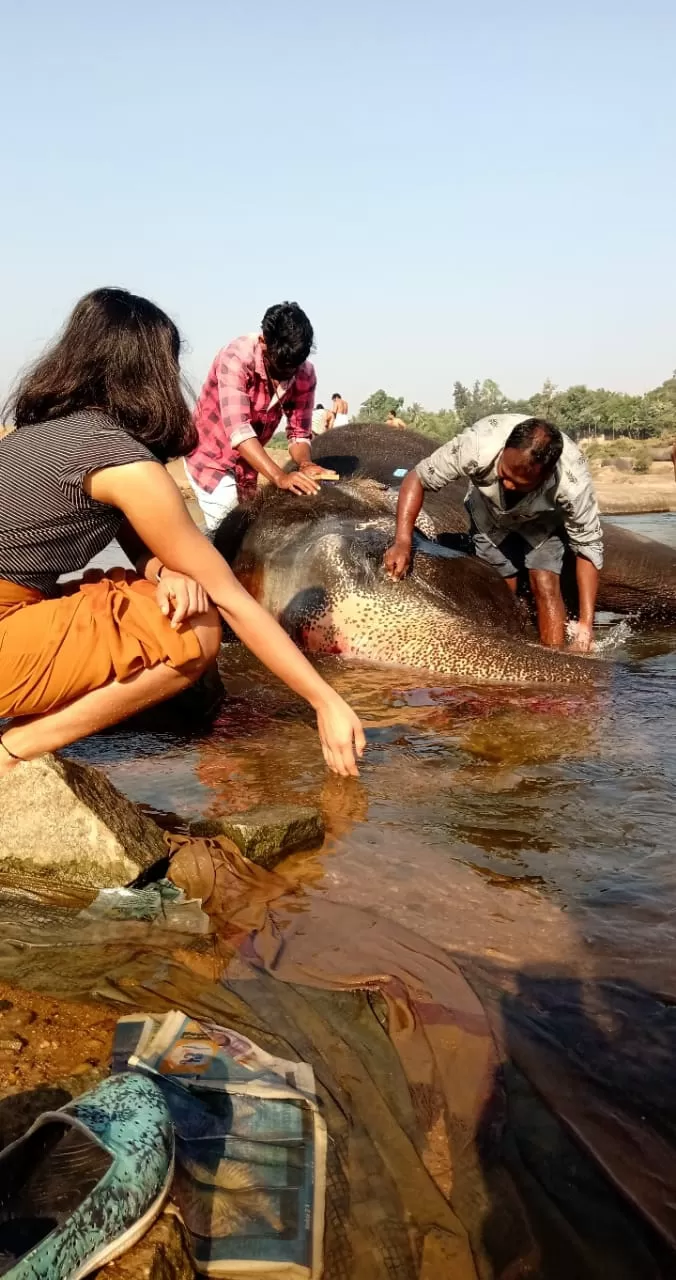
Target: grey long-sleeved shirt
[(566, 497)]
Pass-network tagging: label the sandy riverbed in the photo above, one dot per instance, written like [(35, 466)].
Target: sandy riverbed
[(49, 1050), (624, 493)]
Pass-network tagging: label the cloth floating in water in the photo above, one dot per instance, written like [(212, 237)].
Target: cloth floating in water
[(161, 901), (444, 1158)]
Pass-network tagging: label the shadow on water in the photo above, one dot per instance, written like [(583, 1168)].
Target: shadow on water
[(589, 1121)]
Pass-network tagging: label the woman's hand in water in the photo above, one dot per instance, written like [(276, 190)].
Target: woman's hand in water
[(341, 735), (397, 560), (180, 597)]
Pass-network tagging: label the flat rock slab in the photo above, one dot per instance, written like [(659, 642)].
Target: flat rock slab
[(162, 1254), (64, 824), (266, 835)]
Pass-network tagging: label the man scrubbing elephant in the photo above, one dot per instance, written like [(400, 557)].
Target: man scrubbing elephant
[(530, 494)]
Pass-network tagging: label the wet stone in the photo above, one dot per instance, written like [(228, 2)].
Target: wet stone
[(13, 1022), (10, 1044), (64, 824), (266, 835), (162, 1254)]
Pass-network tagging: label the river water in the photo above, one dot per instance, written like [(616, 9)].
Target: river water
[(527, 832), (516, 823)]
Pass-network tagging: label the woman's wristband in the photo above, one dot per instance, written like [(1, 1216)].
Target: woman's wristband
[(142, 569)]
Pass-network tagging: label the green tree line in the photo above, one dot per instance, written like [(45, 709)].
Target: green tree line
[(580, 411)]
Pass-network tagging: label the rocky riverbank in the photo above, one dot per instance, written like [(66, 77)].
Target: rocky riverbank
[(629, 493), (65, 834)]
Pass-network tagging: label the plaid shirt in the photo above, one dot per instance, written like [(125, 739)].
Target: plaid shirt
[(238, 403)]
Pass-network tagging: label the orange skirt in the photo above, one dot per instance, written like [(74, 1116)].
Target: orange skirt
[(102, 629)]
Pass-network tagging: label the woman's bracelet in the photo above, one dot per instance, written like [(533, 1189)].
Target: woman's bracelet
[(155, 577)]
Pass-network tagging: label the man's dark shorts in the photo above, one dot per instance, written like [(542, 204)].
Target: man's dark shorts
[(514, 554)]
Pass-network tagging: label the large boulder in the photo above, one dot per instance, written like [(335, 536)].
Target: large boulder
[(65, 825)]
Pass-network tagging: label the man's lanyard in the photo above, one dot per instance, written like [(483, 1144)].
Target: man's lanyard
[(280, 392)]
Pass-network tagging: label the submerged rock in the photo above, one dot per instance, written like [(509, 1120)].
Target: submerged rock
[(267, 834), (65, 824)]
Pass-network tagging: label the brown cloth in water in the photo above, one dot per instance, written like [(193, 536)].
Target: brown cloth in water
[(408, 1195), (443, 1163), (102, 629), (444, 1160)]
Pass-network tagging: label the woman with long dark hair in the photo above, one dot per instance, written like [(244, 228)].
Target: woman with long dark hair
[(96, 420)]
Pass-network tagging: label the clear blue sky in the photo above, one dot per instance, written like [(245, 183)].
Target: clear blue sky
[(451, 190)]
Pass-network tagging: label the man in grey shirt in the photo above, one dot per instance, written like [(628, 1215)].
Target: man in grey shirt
[(530, 493)]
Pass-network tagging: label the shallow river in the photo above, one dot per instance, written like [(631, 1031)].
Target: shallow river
[(516, 823), (530, 833)]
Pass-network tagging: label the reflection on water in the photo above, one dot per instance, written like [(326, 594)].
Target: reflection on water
[(465, 795), (661, 527)]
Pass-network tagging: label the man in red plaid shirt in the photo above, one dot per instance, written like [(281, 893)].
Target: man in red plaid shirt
[(251, 384)]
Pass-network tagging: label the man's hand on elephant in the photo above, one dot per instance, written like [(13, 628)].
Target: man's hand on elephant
[(397, 560), (583, 639), (180, 598), (297, 482), (316, 472)]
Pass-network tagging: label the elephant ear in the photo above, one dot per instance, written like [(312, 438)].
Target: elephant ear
[(232, 531)]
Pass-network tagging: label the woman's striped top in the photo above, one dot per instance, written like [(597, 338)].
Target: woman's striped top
[(48, 524)]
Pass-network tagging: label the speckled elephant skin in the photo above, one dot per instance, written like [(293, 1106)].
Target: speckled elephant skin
[(638, 576), (316, 564)]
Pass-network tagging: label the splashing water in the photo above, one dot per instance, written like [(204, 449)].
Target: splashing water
[(614, 637)]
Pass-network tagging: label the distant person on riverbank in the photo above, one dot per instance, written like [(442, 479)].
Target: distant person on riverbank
[(393, 421), (320, 420), (97, 419), (339, 413), (254, 382), (530, 495)]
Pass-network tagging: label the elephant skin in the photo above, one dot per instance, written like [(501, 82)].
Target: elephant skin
[(316, 564), (638, 576)]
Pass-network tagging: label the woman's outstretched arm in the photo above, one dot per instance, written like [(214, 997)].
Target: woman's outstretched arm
[(150, 500)]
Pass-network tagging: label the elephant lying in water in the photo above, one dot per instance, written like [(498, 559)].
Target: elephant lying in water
[(639, 574), (316, 563)]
